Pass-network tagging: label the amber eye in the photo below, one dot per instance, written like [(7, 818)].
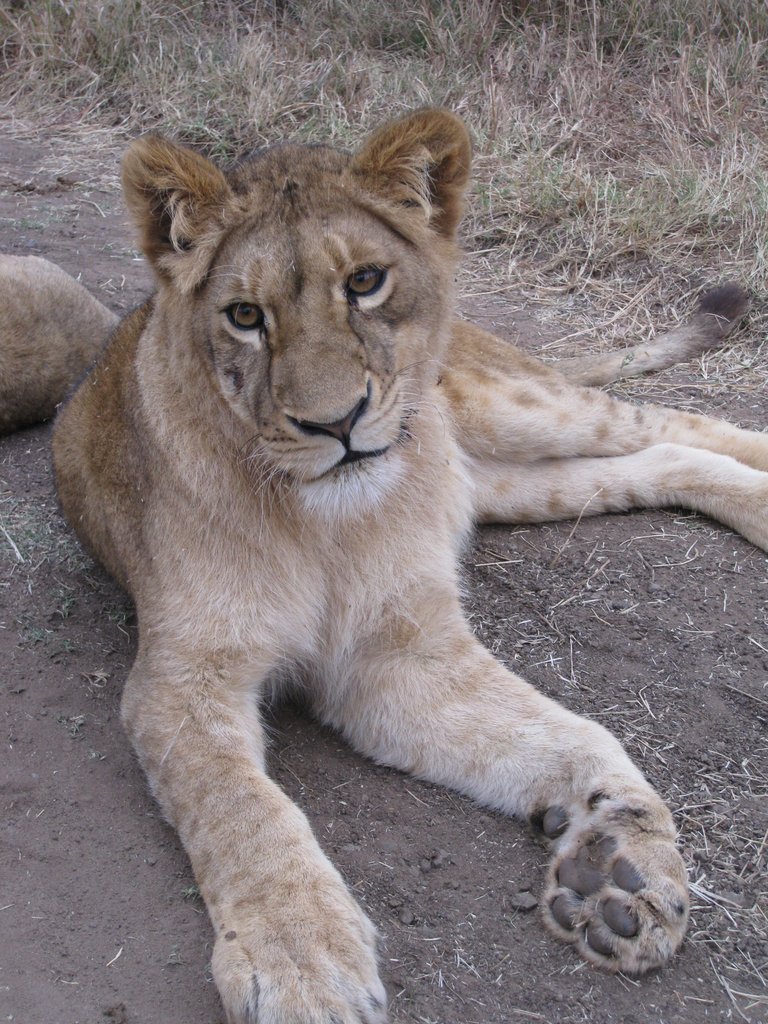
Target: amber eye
[(244, 316), (365, 281)]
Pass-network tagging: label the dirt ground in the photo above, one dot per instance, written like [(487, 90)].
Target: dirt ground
[(654, 624)]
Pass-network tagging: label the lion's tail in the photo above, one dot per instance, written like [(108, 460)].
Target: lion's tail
[(719, 310), (51, 330)]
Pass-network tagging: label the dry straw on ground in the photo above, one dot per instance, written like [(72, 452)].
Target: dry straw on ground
[(621, 147)]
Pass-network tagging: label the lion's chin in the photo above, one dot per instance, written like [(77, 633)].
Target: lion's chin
[(353, 487)]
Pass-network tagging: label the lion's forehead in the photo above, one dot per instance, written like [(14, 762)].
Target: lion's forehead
[(307, 166), (298, 216), (266, 248), (291, 183)]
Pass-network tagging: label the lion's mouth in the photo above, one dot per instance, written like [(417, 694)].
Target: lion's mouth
[(354, 456)]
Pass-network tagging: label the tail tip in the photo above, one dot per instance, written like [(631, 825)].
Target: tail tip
[(728, 301)]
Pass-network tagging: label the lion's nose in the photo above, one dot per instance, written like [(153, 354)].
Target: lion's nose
[(341, 429)]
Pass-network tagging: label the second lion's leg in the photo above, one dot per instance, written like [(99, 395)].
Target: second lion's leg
[(427, 698)]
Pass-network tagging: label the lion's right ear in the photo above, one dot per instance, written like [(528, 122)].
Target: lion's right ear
[(178, 200)]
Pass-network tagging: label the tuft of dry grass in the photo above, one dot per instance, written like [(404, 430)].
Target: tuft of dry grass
[(620, 147), (31, 534)]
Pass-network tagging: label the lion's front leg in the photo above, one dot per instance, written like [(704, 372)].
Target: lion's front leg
[(432, 701), (291, 943)]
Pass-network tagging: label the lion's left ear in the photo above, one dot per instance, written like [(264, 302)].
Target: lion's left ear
[(420, 160)]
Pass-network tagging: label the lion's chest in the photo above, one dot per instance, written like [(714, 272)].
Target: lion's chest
[(298, 587)]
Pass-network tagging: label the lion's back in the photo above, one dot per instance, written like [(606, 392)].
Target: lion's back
[(51, 329)]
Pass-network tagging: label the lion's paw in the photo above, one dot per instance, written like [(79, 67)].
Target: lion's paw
[(616, 888), (295, 971)]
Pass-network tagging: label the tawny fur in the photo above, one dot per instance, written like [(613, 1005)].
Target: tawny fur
[(201, 463), (51, 330)]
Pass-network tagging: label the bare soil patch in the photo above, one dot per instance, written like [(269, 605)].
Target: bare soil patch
[(656, 624)]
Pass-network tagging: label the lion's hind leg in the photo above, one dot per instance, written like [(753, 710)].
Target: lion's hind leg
[(660, 476), (523, 412)]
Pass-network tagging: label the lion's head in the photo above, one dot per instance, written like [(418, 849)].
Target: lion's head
[(314, 285)]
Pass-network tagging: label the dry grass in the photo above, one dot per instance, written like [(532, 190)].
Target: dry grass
[(621, 147), (31, 534)]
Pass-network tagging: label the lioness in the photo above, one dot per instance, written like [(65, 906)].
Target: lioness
[(280, 456)]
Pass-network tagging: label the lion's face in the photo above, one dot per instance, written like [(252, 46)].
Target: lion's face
[(321, 319), (316, 286)]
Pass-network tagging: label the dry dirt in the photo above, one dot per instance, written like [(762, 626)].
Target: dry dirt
[(654, 624)]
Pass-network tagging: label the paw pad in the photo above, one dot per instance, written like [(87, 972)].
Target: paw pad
[(619, 917), (584, 873), (600, 939), (626, 876), (588, 873), (580, 877), (564, 911), (593, 896), (554, 822)]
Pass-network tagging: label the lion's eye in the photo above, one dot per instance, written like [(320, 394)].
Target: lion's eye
[(365, 281), (244, 316)]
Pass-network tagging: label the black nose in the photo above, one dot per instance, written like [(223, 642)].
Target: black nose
[(342, 428)]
